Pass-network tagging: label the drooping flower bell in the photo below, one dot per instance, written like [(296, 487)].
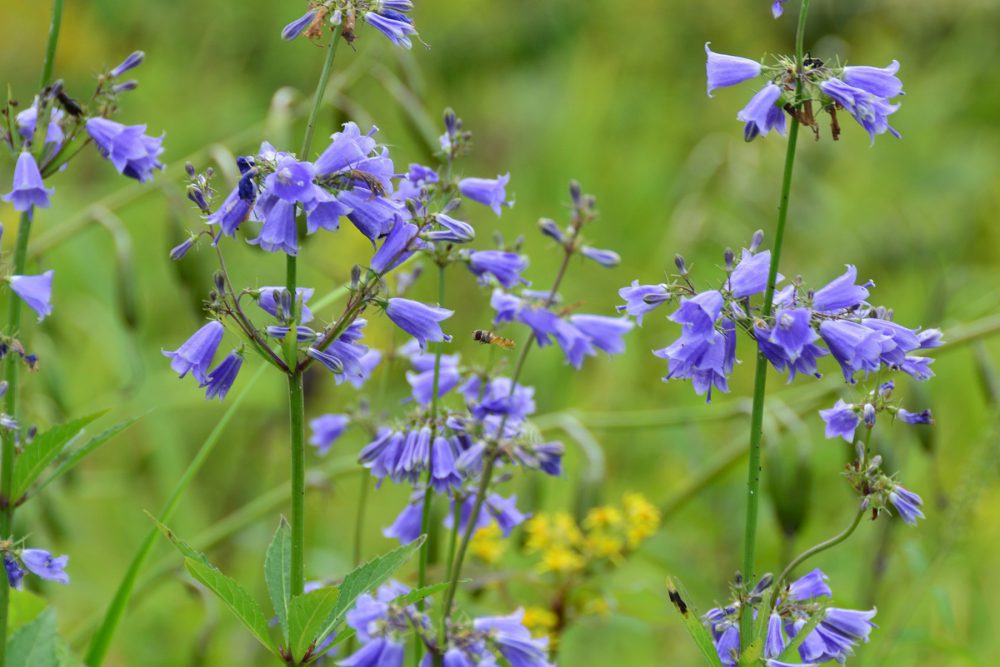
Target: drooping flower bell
[(36, 291), (28, 190), (418, 319), (132, 152), (196, 354), (487, 191)]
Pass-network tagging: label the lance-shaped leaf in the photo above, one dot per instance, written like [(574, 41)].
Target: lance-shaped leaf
[(692, 622), (83, 451), (278, 573), (307, 615), (366, 578), (243, 606), (43, 450)]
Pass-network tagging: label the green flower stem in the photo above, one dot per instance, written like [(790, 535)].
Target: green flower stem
[(12, 368), (425, 517), (760, 371), (812, 551), (491, 458), (296, 399)]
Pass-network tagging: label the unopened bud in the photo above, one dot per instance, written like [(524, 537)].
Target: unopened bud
[(730, 258), (680, 264), (756, 240)]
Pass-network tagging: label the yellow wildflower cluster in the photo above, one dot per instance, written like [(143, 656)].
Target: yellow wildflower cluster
[(488, 544), (608, 532)]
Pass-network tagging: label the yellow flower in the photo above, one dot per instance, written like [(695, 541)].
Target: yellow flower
[(642, 518), (606, 516), (565, 529), (604, 545), (539, 620), (487, 544), (538, 533), (561, 560)]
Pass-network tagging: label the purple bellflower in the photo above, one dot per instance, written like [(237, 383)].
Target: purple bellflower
[(28, 190), (196, 354), (907, 504), (506, 267), (642, 299), (841, 421), (327, 429), (722, 70), (879, 81), (41, 563), (279, 233), (762, 113), (418, 319), (221, 378), (871, 111), (36, 291), (486, 191), (393, 24), (128, 148)]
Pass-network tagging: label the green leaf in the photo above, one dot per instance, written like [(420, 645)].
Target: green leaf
[(791, 651), (692, 621), (367, 577), (84, 451), (278, 573), (235, 597), (35, 644), (43, 450), (186, 549), (307, 616), (419, 594), (25, 607)]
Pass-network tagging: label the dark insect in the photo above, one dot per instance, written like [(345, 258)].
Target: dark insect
[(675, 598), (490, 338), (69, 104), (813, 63)]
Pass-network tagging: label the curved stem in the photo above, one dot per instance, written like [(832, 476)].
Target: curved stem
[(812, 551), (760, 370), (491, 456)]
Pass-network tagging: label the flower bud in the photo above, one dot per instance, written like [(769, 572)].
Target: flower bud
[(189, 169), (576, 193), (756, 240), (125, 86), (219, 280), (131, 62), (180, 250), (869, 414), (551, 229), (730, 258)]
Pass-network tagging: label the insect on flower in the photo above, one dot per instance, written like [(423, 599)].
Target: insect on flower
[(489, 338)]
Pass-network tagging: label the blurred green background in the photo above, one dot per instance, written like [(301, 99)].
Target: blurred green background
[(606, 92)]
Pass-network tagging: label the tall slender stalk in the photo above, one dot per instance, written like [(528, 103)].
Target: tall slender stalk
[(296, 399), (12, 369), (760, 370), (425, 517), (491, 456)]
